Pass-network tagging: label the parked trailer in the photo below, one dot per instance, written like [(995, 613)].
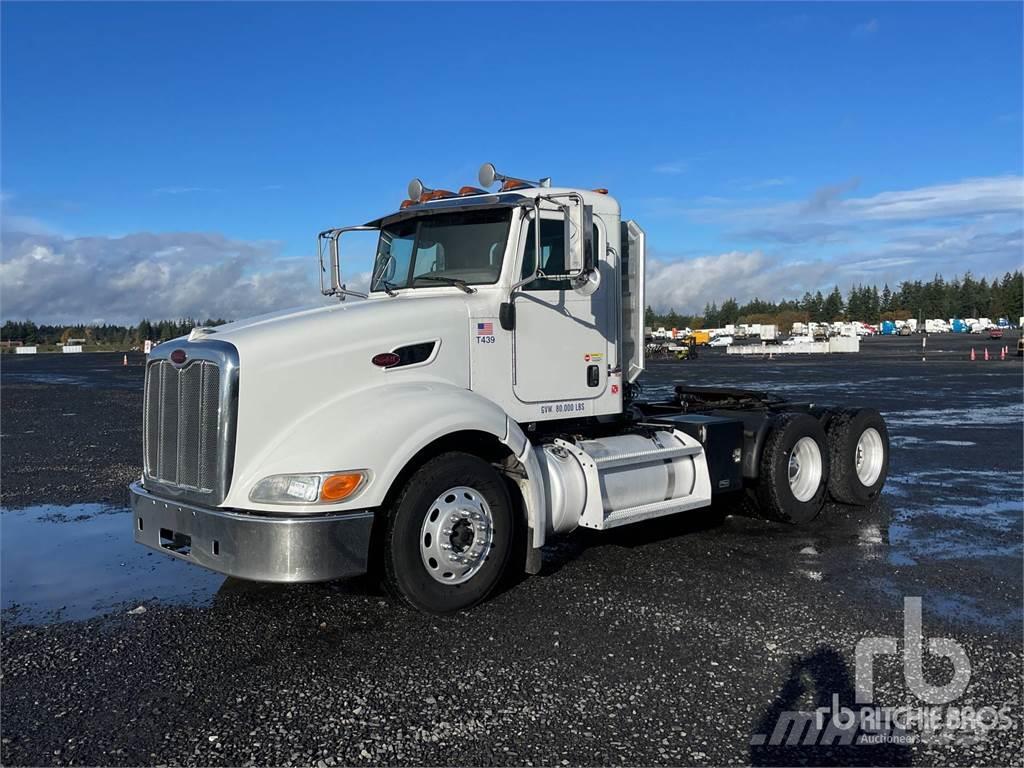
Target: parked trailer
[(479, 400), (801, 346)]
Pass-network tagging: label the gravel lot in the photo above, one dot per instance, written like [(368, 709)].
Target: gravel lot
[(668, 643)]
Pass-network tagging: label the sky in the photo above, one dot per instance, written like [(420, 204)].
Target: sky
[(178, 159)]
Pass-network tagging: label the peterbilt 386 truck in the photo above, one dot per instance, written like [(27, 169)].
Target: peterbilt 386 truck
[(481, 397)]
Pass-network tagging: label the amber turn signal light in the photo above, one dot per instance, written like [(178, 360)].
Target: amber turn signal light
[(341, 486)]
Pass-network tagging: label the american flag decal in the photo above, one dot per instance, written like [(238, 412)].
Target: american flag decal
[(485, 329)]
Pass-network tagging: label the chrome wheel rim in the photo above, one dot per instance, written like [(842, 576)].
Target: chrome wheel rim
[(805, 468), (869, 456), (457, 535)]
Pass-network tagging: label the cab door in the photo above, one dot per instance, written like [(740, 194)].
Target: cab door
[(560, 352)]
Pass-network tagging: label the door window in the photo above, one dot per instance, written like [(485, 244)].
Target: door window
[(552, 256)]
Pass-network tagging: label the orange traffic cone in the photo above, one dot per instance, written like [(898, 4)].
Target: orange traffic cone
[(986, 353), (125, 361), (972, 354), (1002, 353)]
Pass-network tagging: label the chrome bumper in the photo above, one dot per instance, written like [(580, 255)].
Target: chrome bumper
[(255, 547)]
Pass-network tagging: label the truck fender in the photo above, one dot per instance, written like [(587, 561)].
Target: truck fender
[(352, 431), (531, 486)]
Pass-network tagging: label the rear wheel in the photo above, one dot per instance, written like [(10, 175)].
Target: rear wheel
[(448, 534), (794, 469), (858, 444)]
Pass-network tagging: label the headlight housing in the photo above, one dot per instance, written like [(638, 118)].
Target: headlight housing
[(309, 488)]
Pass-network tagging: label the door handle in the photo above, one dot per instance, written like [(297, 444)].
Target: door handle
[(593, 376)]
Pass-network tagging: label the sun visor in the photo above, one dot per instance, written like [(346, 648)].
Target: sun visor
[(448, 205)]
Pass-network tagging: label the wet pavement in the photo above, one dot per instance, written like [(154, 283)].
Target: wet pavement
[(671, 642), (73, 562)]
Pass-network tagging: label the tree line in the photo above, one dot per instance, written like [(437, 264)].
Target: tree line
[(107, 335), (960, 297), (938, 298)]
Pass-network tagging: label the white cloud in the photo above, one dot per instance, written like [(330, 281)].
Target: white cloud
[(778, 181), (772, 252), (867, 29), (15, 222), (673, 168), (182, 190), (970, 197), (687, 285), (785, 249), (988, 199), (829, 195), (49, 278)]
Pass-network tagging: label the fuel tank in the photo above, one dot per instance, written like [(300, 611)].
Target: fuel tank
[(610, 481)]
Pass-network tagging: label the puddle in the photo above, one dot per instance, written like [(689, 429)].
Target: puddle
[(86, 382), (59, 563), (46, 378), (993, 415)]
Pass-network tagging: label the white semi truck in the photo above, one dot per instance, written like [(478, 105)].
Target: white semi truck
[(480, 398)]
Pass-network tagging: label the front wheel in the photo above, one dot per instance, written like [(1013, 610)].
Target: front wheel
[(448, 534)]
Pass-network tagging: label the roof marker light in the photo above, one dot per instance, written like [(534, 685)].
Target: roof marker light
[(435, 194)]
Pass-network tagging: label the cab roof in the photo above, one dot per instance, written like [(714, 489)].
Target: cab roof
[(601, 202)]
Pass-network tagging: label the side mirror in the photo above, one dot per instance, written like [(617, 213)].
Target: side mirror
[(579, 245)]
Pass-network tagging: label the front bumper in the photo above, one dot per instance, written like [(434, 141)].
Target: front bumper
[(250, 546)]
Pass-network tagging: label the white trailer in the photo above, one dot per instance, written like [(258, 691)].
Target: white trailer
[(479, 400)]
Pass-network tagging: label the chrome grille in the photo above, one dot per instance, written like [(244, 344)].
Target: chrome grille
[(181, 425)]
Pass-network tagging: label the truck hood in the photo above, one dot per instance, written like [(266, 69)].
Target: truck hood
[(314, 365), (326, 331)]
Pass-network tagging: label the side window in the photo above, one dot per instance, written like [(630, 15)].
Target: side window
[(394, 251), (552, 256)]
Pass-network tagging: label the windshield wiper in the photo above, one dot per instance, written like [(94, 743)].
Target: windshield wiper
[(460, 284)]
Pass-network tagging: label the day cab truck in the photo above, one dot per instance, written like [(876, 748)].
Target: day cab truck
[(481, 397)]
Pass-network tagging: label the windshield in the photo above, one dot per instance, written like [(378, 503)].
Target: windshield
[(465, 247)]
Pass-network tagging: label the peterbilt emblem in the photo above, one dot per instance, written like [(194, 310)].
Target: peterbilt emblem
[(178, 357)]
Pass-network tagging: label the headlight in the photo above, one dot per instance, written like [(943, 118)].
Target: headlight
[(321, 487)]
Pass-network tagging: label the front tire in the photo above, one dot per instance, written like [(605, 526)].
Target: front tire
[(448, 534), (794, 469), (858, 444)]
